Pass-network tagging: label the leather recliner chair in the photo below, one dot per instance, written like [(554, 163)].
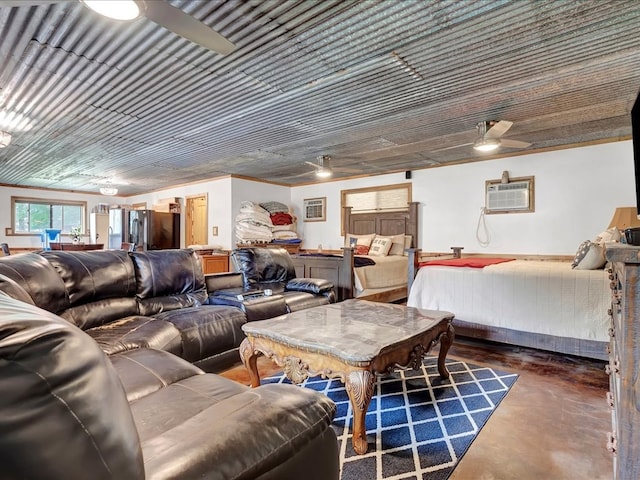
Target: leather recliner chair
[(265, 285)]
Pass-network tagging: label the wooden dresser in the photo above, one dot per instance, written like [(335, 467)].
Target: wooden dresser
[(624, 361), (215, 263)]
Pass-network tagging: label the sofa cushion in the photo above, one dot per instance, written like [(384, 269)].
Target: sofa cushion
[(146, 370), (63, 411), (301, 300), (95, 275), (95, 314), (38, 278), (137, 332), (175, 275), (206, 330), (256, 430)]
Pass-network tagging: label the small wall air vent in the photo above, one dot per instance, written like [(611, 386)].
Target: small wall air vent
[(515, 196)]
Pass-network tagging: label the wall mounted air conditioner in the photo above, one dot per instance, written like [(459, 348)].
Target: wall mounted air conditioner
[(507, 197)]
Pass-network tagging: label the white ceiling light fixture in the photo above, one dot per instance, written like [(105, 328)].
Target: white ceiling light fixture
[(486, 144), (109, 191), (117, 9), (323, 173), (5, 139)]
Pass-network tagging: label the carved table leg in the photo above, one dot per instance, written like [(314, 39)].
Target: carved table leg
[(250, 360), (359, 385), (446, 339)]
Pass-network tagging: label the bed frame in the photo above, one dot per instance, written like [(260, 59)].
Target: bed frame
[(339, 270)]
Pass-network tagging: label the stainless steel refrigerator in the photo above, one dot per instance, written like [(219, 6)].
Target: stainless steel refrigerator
[(118, 227), (151, 230)]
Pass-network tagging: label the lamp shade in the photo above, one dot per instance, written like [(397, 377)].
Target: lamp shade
[(625, 217)]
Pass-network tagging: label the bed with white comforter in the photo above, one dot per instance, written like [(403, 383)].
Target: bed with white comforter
[(543, 304)]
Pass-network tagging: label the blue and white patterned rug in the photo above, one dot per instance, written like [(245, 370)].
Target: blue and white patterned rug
[(418, 425)]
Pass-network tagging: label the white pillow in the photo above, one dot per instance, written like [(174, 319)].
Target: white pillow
[(380, 246), (351, 240), (590, 256), (400, 243)]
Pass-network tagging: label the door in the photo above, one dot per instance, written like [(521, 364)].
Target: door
[(196, 220)]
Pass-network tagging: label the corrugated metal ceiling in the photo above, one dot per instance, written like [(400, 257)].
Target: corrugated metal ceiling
[(378, 85)]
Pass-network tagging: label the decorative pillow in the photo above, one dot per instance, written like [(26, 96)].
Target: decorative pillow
[(351, 240), (610, 235), (590, 256), (380, 246), (361, 250), (399, 243)]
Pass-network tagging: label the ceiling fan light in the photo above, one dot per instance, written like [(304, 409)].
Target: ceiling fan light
[(486, 144), (109, 191), (324, 173), (116, 9), (5, 139)]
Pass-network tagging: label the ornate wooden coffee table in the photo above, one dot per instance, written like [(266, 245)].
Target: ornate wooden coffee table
[(353, 341)]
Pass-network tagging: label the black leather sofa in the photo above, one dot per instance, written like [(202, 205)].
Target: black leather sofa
[(155, 299), (68, 411)]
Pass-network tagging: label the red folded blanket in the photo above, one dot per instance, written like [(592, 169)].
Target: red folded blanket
[(474, 262)]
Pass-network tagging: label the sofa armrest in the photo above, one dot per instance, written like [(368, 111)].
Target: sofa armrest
[(316, 286), (222, 281)]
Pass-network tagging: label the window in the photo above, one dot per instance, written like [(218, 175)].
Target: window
[(33, 215), (315, 210), (389, 198)]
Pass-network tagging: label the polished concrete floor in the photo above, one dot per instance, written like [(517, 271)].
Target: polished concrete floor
[(551, 426)]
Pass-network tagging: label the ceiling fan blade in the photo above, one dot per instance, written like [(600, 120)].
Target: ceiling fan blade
[(314, 165), (505, 142), (499, 129), (180, 23), (451, 148)]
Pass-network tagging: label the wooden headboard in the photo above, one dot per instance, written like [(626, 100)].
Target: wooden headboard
[(384, 223)]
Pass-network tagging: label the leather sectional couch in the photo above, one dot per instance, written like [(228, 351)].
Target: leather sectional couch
[(155, 299), (69, 411)]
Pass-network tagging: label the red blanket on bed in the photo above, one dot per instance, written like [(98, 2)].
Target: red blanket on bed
[(475, 262)]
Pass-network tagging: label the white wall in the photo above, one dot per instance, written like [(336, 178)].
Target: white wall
[(34, 241), (224, 196), (218, 195), (576, 193)]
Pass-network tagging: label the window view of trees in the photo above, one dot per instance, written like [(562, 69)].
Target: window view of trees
[(33, 216)]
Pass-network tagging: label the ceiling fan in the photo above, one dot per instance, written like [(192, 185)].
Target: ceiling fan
[(158, 11), (323, 169), (488, 139)]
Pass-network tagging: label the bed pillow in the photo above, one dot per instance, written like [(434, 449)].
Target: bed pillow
[(400, 242), (380, 246), (361, 250), (351, 240), (590, 256)]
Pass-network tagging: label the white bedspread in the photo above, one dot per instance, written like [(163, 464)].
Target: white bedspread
[(388, 272), (532, 296)]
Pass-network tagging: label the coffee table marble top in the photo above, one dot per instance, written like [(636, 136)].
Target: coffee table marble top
[(355, 331)]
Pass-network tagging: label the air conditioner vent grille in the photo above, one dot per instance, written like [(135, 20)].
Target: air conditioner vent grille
[(507, 196)]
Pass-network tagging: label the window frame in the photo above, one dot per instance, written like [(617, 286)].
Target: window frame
[(51, 202), (396, 186)]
